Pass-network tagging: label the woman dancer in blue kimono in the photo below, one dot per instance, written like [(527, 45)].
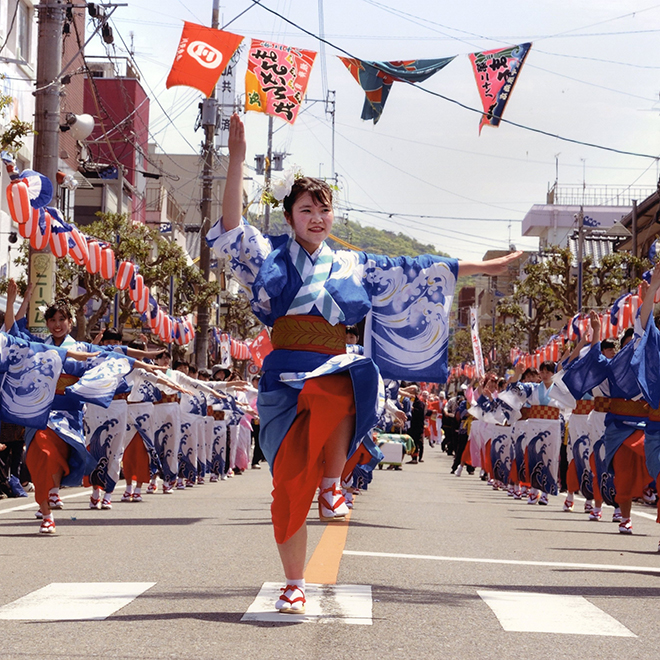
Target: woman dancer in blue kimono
[(312, 418)]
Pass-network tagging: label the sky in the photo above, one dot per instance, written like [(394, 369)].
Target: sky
[(424, 170)]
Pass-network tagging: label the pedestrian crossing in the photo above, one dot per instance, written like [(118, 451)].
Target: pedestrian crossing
[(74, 601), (348, 604)]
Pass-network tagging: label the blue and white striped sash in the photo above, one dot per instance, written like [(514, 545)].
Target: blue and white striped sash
[(313, 293)]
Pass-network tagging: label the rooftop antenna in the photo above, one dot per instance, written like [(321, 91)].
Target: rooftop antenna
[(131, 36)]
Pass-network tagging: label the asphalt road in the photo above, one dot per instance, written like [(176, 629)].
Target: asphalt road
[(209, 550)]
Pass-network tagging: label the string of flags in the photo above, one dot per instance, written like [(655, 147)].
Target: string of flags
[(28, 196), (277, 75), (615, 320)]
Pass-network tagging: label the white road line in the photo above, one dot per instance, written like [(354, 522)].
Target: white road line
[(75, 601), (510, 562), (326, 603), (551, 613), (33, 505)]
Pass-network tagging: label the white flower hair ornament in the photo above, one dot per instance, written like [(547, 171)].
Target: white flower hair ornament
[(280, 187)]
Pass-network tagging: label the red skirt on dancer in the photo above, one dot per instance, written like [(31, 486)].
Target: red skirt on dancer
[(136, 461), (322, 404), (47, 455)]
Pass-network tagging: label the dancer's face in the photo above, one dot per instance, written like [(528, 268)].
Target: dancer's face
[(59, 326), (311, 221)]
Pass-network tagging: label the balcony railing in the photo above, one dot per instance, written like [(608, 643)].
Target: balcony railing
[(577, 194)]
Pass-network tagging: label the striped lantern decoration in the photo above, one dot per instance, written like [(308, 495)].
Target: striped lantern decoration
[(40, 231), (152, 313), (157, 322), (166, 329), (78, 247), (136, 288), (142, 305), (27, 228), (18, 201), (635, 304), (59, 242), (107, 263), (239, 350), (625, 315), (190, 325), (124, 275), (93, 265)]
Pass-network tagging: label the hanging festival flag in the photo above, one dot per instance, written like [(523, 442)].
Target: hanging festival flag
[(476, 343), (201, 57), (376, 78), (225, 350), (261, 347), (496, 72), (276, 79)]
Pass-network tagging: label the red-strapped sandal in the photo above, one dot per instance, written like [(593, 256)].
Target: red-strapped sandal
[(54, 501), (47, 526), (334, 509), (287, 605)]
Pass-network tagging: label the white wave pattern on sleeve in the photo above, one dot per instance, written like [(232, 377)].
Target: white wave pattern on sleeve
[(403, 301), (246, 249)]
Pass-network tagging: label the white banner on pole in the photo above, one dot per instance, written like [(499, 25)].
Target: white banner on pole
[(476, 343)]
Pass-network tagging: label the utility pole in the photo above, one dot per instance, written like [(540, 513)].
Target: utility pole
[(267, 171), (209, 120), (580, 258), (41, 265)]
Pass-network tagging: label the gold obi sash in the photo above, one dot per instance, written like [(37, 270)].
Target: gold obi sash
[(543, 412), (583, 406), (309, 333), (623, 407), (64, 381)]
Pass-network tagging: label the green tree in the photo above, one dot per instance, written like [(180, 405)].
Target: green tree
[(549, 290)]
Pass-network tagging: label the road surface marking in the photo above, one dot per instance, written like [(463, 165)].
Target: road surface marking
[(512, 562), (323, 566), (551, 613), (74, 601), (34, 505), (326, 603)]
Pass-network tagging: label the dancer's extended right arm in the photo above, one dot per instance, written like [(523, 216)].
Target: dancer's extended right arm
[(232, 201)]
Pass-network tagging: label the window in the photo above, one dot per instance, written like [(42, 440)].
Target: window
[(23, 25)]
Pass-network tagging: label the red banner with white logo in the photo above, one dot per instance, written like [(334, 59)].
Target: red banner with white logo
[(201, 57), (261, 347)]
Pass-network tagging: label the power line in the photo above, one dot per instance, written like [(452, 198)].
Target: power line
[(393, 214)]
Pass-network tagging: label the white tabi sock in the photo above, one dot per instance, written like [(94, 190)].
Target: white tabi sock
[(292, 594)]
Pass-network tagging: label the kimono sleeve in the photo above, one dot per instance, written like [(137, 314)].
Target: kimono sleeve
[(585, 373), (99, 377), (407, 329), (244, 247), (645, 363), (31, 374)]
